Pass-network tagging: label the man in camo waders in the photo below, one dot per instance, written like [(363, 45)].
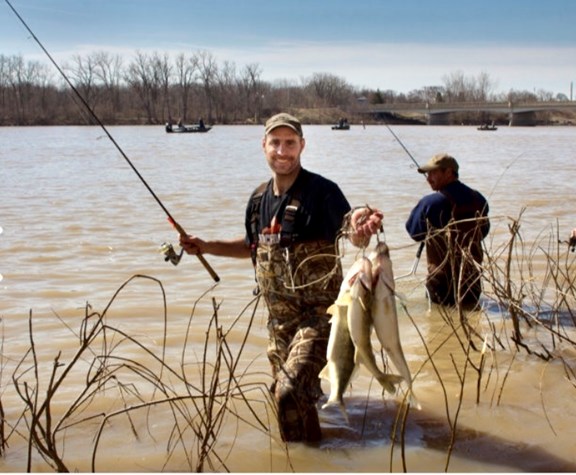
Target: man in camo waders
[(292, 223)]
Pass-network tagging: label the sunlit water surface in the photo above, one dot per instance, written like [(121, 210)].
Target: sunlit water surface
[(77, 223)]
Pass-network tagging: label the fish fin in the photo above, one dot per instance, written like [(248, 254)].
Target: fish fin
[(389, 382), (401, 297), (354, 374), (332, 309), (324, 374), (411, 399), (365, 279), (340, 405), (344, 300), (357, 358), (414, 402), (364, 303)]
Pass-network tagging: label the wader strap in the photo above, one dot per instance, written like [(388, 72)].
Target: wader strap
[(255, 218), (288, 220)]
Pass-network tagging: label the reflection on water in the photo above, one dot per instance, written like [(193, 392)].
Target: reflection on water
[(77, 224)]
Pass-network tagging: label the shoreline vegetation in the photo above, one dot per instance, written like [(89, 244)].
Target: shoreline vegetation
[(327, 117), (152, 89)]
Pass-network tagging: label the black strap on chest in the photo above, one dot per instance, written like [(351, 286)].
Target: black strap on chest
[(288, 219), (255, 218)]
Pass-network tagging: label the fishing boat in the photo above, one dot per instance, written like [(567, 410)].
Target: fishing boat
[(488, 127), (183, 129), (341, 127), (342, 124)]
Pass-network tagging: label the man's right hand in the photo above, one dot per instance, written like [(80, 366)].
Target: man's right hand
[(191, 244)]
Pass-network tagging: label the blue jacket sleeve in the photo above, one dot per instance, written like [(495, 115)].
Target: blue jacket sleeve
[(433, 210), (416, 224)]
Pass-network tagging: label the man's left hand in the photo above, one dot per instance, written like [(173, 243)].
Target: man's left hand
[(365, 222)]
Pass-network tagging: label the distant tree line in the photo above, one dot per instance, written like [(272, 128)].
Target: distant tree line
[(154, 88)]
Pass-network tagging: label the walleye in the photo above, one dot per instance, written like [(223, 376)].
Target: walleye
[(340, 357), (349, 342), (384, 314), (340, 363), (360, 325)]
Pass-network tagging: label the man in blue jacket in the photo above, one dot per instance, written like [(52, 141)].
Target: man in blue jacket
[(453, 220)]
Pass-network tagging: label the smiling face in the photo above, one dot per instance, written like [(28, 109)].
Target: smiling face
[(283, 147)]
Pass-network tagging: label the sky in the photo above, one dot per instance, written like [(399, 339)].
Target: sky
[(398, 45)]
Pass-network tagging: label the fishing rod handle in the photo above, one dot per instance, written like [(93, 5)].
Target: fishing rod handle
[(208, 267), (420, 249)]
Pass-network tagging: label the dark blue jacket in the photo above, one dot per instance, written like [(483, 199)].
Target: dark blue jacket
[(436, 209), (454, 221)]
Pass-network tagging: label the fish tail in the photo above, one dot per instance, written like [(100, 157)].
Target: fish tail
[(324, 373), (340, 404), (414, 402), (389, 382), (343, 411)]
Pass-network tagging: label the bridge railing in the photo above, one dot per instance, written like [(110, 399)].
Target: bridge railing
[(444, 107)]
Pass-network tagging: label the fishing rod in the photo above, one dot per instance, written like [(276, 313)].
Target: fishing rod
[(421, 246), (400, 142), (167, 249)]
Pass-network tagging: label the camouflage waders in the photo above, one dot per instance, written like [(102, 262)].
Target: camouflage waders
[(298, 284)]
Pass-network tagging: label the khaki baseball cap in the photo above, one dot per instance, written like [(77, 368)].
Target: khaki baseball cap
[(440, 160), (284, 120)]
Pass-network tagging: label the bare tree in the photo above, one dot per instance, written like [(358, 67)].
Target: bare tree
[(329, 90), (484, 87), (162, 73), (185, 71), (82, 74), (21, 81), (456, 86), (148, 76), (253, 90), (208, 72), (108, 70), (462, 88)]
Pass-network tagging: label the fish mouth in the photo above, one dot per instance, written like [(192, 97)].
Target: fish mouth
[(382, 248)]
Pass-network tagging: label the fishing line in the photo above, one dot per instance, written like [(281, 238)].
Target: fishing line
[(421, 245), (166, 248), (400, 142)]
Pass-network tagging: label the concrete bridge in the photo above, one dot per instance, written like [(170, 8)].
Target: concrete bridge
[(520, 114)]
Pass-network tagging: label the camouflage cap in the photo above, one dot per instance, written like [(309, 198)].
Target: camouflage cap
[(440, 160), (284, 120)]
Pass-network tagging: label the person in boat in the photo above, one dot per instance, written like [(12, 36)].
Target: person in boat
[(453, 221), (291, 225), (201, 125)]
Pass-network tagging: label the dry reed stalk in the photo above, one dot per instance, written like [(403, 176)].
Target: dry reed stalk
[(199, 408)]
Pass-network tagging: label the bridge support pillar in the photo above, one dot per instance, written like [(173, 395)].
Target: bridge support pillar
[(439, 118), (518, 119)]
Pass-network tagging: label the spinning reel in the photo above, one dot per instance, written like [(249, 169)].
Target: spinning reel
[(170, 254)]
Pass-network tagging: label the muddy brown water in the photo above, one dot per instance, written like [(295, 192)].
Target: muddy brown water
[(77, 224)]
